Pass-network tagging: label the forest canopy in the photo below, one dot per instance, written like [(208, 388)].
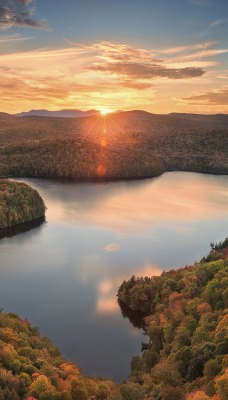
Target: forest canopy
[(19, 203), (132, 144), (187, 327)]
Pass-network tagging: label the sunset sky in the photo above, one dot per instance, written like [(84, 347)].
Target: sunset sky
[(156, 55)]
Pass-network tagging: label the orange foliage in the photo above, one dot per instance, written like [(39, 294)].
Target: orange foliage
[(175, 300), (69, 369), (203, 308), (197, 395), (163, 319), (35, 375), (175, 296), (221, 384), (223, 323), (31, 398)]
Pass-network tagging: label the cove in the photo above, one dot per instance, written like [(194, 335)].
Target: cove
[(63, 275)]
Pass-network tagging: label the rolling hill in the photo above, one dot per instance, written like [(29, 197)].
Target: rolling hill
[(216, 120), (132, 144)]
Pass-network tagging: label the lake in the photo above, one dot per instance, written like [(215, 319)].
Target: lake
[(64, 274)]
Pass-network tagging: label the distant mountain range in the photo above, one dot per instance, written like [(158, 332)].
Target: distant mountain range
[(220, 120), (60, 113)]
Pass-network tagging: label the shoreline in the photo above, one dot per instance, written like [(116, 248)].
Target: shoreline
[(98, 179)]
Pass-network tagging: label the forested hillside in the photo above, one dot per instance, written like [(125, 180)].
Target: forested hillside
[(187, 327), (19, 203), (32, 368), (120, 145)]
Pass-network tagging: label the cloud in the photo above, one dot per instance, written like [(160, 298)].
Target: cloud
[(219, 22), (103, 74), (18, 13), (10, 39), (183, 49), (139, 63), (200, 2), (132, 84), (219, 97), (147, 71), (106, 296), (223, 76), (200, 55), (112, 247)]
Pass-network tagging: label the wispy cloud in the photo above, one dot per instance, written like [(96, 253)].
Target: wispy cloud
[(190, 47), (117, 51), (133, 84), (19, 13), (9, 39), (216, 97), (200, 2), (201, 54), (223, 76), (219, 22)]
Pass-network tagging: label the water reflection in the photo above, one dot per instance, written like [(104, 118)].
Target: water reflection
[(131, 207), (21, 228), (135, 317), (107, 288)]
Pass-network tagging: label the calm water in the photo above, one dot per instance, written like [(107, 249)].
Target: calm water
[(63, 275)]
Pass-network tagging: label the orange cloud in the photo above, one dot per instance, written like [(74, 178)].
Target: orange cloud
[(147, 71), (112, 247), (217, 97), (105, 74)]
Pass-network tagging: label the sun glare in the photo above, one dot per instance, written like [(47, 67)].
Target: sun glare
[(105, 111)]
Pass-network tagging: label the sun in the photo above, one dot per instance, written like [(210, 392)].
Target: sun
[(105, 111)]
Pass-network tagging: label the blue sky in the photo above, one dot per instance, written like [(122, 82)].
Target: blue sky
[(186, 40)]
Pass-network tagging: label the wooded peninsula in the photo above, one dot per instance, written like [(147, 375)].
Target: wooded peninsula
[(19, 203)]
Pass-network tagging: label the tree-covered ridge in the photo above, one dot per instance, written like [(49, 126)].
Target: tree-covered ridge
[(187, 326), (19, 203), (123, 145), (32, 368)]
